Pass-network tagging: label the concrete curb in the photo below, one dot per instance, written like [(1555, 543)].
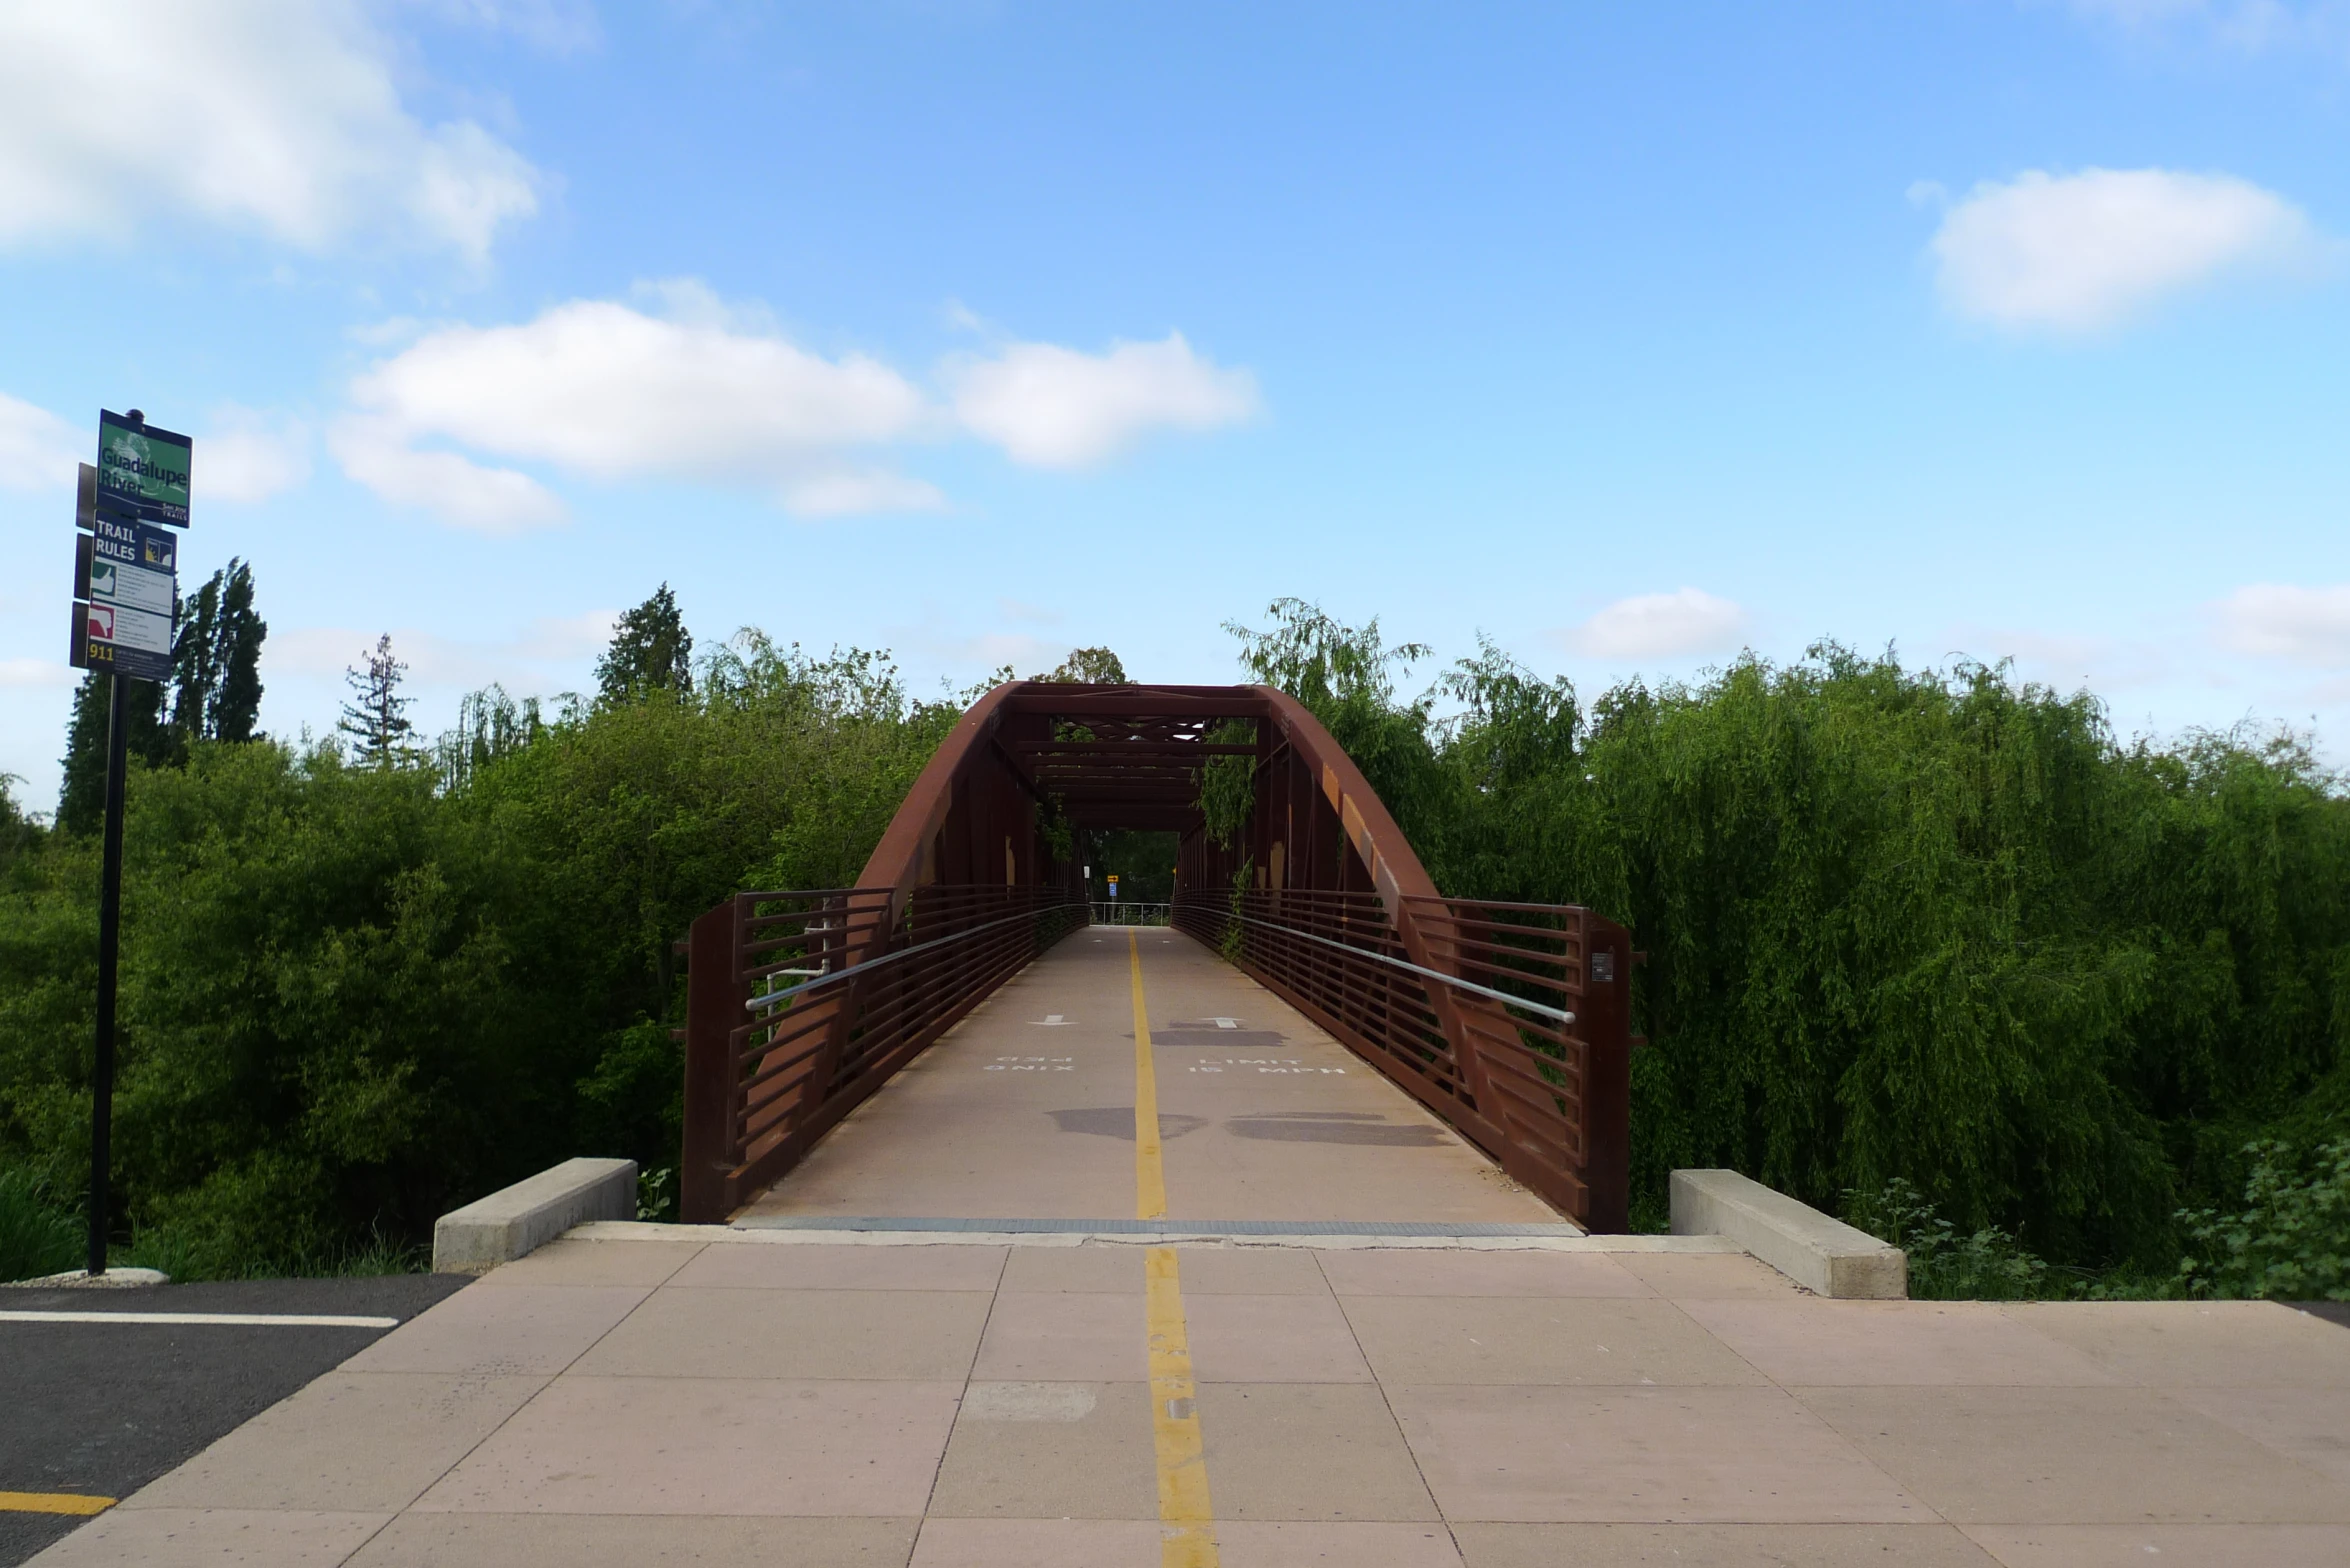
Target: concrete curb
[(723, 1235), (1825, 1256), (518, 1220), (80, 1279)]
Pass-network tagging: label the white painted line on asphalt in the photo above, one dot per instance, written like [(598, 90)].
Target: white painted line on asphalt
[(222, 1319)]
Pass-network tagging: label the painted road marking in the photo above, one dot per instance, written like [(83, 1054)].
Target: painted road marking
[(1052, 1021), (222, 1319), (1150, 1176), (1187, 1521), (1225, 1023), (1187, 1524), (52, 1503)]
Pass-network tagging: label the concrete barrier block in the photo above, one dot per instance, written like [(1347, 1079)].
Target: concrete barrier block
[(519, 1219), (1823, 1255)]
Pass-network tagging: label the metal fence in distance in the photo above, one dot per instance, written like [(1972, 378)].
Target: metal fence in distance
[(1125, 912)]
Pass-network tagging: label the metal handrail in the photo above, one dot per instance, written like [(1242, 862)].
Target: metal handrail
[(867, 966), (1115, 904), (1560, 1014)]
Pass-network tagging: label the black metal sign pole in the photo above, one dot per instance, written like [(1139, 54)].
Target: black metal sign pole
[(118, 734)]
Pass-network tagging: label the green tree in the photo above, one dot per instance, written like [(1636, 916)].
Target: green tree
[(81, 803), (650, 650), (216, 695), (1088, 667), (377, 715), (217, 659)]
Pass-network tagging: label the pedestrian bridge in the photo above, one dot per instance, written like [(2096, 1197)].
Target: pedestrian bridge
[(1243, 1241), (1316, 1038)]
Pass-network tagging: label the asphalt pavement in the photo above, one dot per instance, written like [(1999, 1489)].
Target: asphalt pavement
[(101, 1409)]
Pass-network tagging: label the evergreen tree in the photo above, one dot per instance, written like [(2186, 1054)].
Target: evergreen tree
[(216, 695), (377, 718), (217, 660), (81, 804), (650, 647)]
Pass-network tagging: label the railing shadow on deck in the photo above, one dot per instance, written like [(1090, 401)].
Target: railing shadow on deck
[(1516, 1030), (800, 1004)]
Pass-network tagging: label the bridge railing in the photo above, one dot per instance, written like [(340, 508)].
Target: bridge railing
[(1130, 912), (800, 1004), (1510, 1021)]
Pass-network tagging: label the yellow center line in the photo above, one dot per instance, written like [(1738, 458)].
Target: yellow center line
[(52, 1503), (1187, 1524), (1150, 1176)]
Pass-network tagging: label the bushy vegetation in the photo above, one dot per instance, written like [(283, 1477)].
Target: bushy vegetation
[(37, 1235), (1927, 925), (2060, 1005), (354, 996)]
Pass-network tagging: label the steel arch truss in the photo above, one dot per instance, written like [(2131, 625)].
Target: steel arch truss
[(1508, 1020)]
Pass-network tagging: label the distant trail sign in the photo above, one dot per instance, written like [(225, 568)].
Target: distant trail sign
[(142, 471)]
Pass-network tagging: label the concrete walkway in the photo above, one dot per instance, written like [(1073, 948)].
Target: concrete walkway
[(633, 1402), (1026, 1110), (640, 1394)]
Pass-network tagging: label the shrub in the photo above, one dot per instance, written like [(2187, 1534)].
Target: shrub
[(2290, 1241), (1988, 1264)]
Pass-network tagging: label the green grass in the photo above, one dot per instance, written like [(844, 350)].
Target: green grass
[(186, 1257), (37, 1234)]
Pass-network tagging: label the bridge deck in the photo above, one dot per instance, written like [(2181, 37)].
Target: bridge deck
[(1026, 1111)]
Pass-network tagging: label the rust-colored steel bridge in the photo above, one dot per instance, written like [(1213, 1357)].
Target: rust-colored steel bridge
[(1508, 1021)]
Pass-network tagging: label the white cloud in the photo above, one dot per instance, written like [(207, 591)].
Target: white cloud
[(1661, 625), (2078, 252), (2068, 661), (552, 648), (601, 389), (852, 494), (250, 456), (2246, 26), (555, 26), (1054, 407), (280, 117), (376, 453), (680, 384), (2277, 621), (38, 451)]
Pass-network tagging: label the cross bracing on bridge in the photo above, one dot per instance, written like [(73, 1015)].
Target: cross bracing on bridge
[(1507, 1021)]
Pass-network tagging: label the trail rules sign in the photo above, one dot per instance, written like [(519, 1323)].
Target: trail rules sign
[(126, 588)]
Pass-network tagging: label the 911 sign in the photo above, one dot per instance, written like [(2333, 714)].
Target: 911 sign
[(126, 593)]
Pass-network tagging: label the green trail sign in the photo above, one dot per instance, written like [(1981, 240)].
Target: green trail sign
[(142, 471)]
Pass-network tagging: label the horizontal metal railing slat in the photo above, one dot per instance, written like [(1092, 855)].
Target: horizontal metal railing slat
[(1503, 981)]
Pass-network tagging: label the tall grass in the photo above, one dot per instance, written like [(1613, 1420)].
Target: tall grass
[(38, 1235)]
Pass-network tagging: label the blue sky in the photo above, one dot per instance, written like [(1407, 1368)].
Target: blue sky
[(1626, 336)]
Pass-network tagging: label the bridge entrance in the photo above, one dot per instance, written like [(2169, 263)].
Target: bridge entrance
[(1328, 1038), (1026, 1111)]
